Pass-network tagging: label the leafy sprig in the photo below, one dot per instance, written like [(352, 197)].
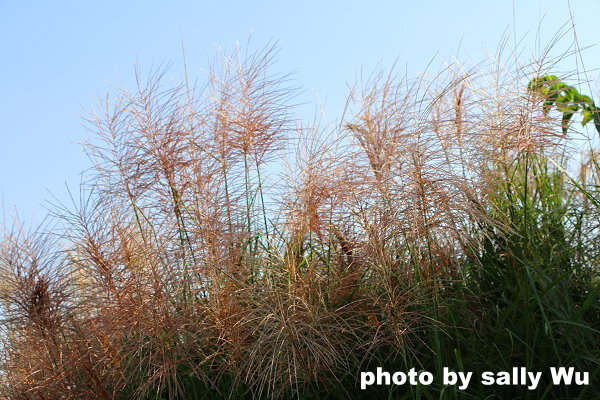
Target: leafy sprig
[(566, 99)]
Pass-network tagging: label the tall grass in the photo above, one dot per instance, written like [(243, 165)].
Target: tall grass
[(441, 224)]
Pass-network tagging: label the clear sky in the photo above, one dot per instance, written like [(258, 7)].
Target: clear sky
[(58, 57)]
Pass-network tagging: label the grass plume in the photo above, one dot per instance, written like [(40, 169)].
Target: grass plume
[(439, 224)]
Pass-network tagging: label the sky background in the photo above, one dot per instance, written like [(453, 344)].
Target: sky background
[(58, 57)]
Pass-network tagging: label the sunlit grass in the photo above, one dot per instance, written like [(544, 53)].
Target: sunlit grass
[(440, 224)]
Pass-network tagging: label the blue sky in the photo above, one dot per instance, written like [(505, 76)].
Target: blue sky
[(58, 57)]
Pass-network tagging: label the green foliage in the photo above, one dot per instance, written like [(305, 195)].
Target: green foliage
[(566, 99), (530, 277)]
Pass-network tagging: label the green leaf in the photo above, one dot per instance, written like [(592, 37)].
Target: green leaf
[(597, 119), (587, 117), (567, 115), (586, 100), (558, 86), (550, 100)]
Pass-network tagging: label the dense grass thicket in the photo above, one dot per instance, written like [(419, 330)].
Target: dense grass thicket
[(222, 249)]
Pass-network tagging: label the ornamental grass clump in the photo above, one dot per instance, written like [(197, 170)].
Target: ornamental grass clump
[(222, 249)]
